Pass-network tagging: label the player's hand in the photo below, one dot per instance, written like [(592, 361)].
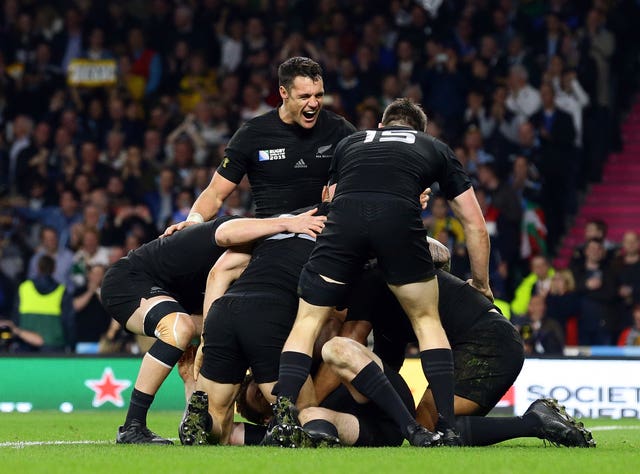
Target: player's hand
[(424, 198), (176, 227), (485, 290), (306, 223), (197, 361)]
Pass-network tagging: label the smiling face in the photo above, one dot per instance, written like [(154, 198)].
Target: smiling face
[(302, 102)]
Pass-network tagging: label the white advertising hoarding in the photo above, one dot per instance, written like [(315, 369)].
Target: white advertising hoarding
[(587, 388)]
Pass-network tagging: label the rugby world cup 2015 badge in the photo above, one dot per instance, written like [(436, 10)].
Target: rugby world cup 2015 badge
[(271, 155)]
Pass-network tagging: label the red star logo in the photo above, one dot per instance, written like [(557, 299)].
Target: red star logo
[(107, 389)]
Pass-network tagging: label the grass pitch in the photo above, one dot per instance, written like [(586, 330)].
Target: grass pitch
[(83, 442)]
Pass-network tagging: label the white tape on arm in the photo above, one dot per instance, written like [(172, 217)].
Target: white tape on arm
[(195, 217)]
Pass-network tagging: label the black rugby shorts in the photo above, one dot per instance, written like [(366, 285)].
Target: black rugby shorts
[(360, 226), (487, 361), (122, 288), (246, 331)]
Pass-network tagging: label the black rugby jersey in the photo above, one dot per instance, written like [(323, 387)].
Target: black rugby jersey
[(276, 263), (287, 165), (397, 161), (181, 261)]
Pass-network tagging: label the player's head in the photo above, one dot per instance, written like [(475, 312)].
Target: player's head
[(405, 112), (302, 91), (440, 254), (251, 404)]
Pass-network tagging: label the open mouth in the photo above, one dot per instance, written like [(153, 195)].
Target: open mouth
[(310, 114)]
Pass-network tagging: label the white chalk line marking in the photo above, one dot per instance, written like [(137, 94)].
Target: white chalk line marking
[(613, 427), (26, 444)]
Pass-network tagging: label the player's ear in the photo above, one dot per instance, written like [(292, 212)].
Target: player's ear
[(284, 94)]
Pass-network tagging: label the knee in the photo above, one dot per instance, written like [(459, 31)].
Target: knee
[(312, 413), (339, 351), (176, 329)]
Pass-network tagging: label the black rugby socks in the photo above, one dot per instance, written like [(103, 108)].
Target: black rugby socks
[(484, 431), (138, 407), (253, 434), (294, 370), (437, 365), (374, 384)]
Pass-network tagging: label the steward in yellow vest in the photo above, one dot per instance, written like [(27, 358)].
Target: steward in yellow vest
[(43, 307)]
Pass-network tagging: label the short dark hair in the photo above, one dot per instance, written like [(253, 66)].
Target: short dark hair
[(46, 265), (298, 66), (600, 224), (405, 112)]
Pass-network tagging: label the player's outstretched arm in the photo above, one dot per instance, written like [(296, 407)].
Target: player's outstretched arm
[(207, 205), (243, 231), (226, 270), (466, 208)]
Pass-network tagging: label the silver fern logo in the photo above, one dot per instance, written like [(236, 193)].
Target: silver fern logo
[(322, 152)]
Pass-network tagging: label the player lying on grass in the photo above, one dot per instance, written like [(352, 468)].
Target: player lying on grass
[(157, 290)]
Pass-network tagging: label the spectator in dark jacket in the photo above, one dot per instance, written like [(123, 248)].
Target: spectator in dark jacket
[(541, 335), (596, 286)]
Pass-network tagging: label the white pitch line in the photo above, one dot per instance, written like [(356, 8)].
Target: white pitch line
[(613, 427), (22, 444)]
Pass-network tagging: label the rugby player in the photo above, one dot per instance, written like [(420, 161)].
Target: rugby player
[(285, 153), (379, 173), (157, 288)]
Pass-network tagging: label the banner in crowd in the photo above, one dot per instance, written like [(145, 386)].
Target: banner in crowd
[(92, 73)]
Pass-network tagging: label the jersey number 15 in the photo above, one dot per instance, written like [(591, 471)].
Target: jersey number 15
[(404, 136)]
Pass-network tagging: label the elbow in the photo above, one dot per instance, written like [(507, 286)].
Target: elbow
[(223, 236)]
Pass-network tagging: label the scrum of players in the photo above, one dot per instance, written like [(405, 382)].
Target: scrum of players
[(284, 306)]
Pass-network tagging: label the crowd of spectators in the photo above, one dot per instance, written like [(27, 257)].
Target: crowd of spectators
[(530, 95)]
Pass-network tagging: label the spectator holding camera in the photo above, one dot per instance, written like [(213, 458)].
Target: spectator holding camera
[(541, 335)]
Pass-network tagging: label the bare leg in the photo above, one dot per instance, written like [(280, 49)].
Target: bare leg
[(427, 414), (420, 302), (347, 425), (221, 403), (306, 328), (295, 360), (174, 330), (362, 373)]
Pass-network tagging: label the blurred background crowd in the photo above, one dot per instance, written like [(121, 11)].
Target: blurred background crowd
[(530, 94)]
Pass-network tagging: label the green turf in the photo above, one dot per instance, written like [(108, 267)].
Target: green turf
[(618, 451)]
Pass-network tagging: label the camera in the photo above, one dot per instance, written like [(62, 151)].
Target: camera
[(6, 337)]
